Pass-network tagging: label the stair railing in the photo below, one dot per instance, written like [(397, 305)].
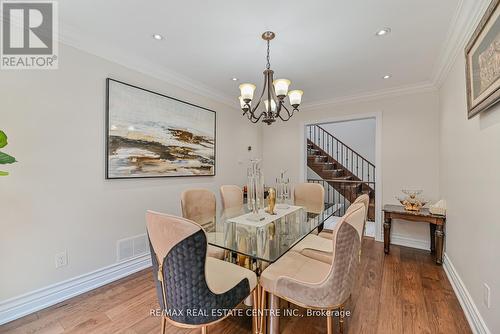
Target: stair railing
[(359, 166)]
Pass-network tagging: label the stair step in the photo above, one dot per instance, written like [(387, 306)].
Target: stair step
[(316, 163), (334, 173), (345, 178), (330, 167)]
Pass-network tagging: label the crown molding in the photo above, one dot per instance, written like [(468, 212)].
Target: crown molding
[(467, 16), (69, 36), (373, 95)]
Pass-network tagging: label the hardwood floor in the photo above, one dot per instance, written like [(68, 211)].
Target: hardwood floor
[(404, 292)]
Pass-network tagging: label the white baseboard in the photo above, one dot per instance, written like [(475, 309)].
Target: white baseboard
[(370, 229), (400, 240), (20, 306), (472, 314)]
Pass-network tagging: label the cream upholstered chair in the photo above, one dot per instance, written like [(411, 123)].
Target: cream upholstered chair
[(314, 284), (232, 205), (200, 206), (320, 248), (186, 279), (232, 197), (311, 196), (365, 200)]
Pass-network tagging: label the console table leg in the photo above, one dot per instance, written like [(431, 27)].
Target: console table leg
[(439, 244), (387, 235), (432, 228)]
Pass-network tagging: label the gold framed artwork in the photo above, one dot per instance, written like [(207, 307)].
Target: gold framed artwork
[(482, 56)]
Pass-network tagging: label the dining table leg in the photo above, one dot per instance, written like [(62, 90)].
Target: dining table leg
[(273, 318), (262, 311), (255, 309)]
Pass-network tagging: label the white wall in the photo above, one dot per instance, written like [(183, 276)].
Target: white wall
[(410, 150), (358, 134), (470, 182), (56, 197)]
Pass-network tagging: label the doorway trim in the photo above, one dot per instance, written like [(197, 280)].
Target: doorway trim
[(378, 157)]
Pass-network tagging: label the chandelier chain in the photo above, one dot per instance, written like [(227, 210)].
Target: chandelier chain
[(268, 66)]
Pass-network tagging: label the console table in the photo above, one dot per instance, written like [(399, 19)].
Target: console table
[(436, 224)]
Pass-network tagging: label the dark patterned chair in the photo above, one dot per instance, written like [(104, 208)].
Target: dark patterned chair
[(194, 290), (314, 284)]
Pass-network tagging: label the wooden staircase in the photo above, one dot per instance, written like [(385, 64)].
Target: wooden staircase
[(340, 168)]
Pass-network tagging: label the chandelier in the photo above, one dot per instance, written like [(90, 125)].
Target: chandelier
[(272, 98)]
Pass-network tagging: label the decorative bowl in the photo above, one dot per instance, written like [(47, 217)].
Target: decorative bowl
[(411, 201)]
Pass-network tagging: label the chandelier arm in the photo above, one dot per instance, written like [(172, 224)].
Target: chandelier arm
[(273, 94), (269, 75), (288, 114), (261, 95), (254, 119), (279, 104)]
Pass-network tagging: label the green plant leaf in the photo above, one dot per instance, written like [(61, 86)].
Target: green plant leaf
[(3, 139), (2, 173), (6, 159)]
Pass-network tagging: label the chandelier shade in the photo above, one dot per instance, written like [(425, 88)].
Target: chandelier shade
[(270, 105), (281, 87)]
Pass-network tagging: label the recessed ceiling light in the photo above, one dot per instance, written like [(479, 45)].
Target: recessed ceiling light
[(388, 76), (234, 79), (383, 32), (158, 37)]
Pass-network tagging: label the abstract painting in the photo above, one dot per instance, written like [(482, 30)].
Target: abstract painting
[(483, 63), (153, 135)]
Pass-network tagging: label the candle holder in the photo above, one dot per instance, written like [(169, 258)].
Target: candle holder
[(255, 190), (283, 190)]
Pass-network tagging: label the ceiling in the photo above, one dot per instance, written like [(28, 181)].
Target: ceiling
[(327, 48)]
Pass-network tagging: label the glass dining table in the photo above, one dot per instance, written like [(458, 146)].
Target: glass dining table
[(255, 241)]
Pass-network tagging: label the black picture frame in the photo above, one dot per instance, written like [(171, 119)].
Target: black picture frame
[(107, 123)]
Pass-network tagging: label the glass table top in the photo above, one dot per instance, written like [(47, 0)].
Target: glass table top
[(239, 231)]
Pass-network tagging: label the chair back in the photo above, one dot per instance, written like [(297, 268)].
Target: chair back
[(232, 197), (346, 248), (363, 200), (199, 205), (335, 287), (311, 196)]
